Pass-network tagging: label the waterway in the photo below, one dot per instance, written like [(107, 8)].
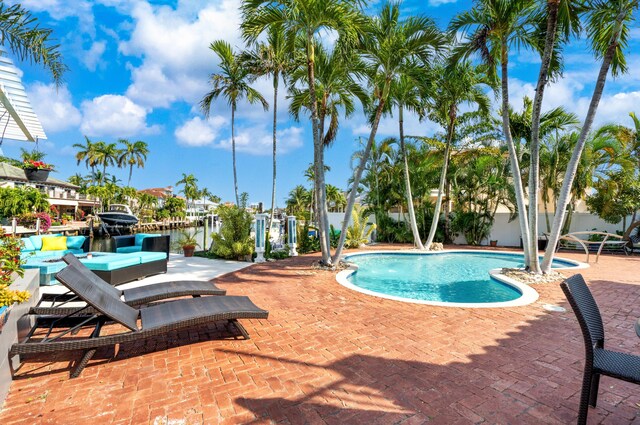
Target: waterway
[(104, 243)]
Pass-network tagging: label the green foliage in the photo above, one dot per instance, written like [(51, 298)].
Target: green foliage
[(334, 236), (186, 238), (173, 207), (392, 231), (234, 240), (617, 196), (10, 263), (16, 201), (358, 233), (475, 226), (306, 243)]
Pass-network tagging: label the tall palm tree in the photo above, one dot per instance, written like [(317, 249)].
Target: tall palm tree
[(29, 41), (496, 27), (608, 32), (87, 153), (303, 20), (627, 137), (132, 154), (298, 200), (106, 154), (232, 83), (190, 189), (458, 84), (271, 58), (389, 46)]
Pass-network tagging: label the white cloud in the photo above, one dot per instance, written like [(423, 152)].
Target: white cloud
[(114, 115), (198, 132), (54, 107), (62, 9), (436, 3), (388, 126), (259, 141), (174, 47), (90, 58)]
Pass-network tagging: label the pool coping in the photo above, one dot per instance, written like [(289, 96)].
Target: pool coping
[(529, 295)]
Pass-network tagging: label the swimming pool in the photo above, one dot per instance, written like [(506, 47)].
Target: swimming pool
[(452, 278)]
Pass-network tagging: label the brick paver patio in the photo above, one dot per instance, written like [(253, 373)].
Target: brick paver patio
[(331, 355)]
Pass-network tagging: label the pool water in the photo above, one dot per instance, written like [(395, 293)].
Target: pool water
[(454, 277)]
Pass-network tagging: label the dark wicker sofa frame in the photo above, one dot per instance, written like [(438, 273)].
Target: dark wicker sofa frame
[(599, 361), (58, 304), (160, 243), (157, 319)]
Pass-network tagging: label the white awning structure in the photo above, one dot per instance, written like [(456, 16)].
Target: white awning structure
[(17, 119)]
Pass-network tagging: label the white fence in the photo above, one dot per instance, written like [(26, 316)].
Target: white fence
[(508, 233)]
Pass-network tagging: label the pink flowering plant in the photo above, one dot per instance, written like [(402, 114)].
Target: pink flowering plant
[(30, 164)]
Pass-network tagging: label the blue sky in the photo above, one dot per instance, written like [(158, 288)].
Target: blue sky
[(139, 68)]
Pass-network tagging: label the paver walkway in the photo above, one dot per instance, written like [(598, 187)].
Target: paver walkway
[(331, 355)]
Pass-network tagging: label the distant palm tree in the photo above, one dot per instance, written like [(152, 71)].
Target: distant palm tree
[(106, 154), (87, 153), (29, 41), (232, 83), (190, 189), (271, 58), (132, 154), (298, 201)]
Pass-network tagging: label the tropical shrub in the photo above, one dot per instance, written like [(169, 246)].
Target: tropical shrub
[(234, 240), (306, 243), (15, 201), (29, 220), (473, 225), (358, 233), (10, 263), (392, 231)]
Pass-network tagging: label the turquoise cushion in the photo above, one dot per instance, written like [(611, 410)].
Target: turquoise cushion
[(127, 249), (75, 242), (110, 262), (28, 245), (36, 240), (148, 256), (141, 236)]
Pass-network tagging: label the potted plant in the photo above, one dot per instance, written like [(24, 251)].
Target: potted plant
[(10, 263), (187, 241), (36, 170), (493, 243), (66, 218)]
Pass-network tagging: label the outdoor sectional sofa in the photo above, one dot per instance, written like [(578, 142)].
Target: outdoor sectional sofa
[(150, 242), (51, 246)]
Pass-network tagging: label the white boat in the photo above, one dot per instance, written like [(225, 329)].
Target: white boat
[(118, 215)]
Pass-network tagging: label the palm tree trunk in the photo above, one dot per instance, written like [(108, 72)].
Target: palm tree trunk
[(513, 156), (443, 177), (233, 152), (318, 154), (407, 182), (534, 164), (356, 179), (130, 173), (276, 76), (572, 167)]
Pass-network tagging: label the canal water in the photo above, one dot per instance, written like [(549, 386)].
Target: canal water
[(101, 243)]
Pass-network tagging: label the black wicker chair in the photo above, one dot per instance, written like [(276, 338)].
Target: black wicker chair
[(598, 360)]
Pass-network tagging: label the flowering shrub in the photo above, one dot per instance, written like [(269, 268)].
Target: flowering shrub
[(38, 165), (10, 263), (29, 220), (80, 215)]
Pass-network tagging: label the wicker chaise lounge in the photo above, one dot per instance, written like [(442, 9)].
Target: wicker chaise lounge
[(157, 319), (59, 303)]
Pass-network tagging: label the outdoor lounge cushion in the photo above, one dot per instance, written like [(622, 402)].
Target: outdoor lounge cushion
[(36, 240), (148, 256), (75, 242), (141, 236), (128, 249), (110, 262), (58, 243), (28, 245)]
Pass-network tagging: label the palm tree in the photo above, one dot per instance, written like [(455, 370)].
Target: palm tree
[(458, 83), (303, 20), (132, 154), (87, 153), (190, 189), (406, 94), (232, 83), (389, 47), (28, 41), (271, 58), (497, 26), (608, 31), (627, 137), (105, 154), (298, 200)]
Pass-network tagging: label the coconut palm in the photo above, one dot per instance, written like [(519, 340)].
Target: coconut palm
[(271, 58), (390, 46), (190, 189), (105, 154), (21, 32), (627, 137), (132, 154), (233, 84), (495, 27), (458, 84), (298, 201), (303, 20), (87, 153), (608, 32)]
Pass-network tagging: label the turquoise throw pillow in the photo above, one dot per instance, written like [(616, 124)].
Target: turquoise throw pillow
[(36, 240), (28, 245), (141, 236), (75, 242)]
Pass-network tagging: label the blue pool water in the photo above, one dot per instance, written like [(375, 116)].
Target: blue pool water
[(456, 277)]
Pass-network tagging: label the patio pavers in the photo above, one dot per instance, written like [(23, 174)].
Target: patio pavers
[(331, 355)]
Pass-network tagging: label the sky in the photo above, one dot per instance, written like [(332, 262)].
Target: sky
[(138, 70)]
